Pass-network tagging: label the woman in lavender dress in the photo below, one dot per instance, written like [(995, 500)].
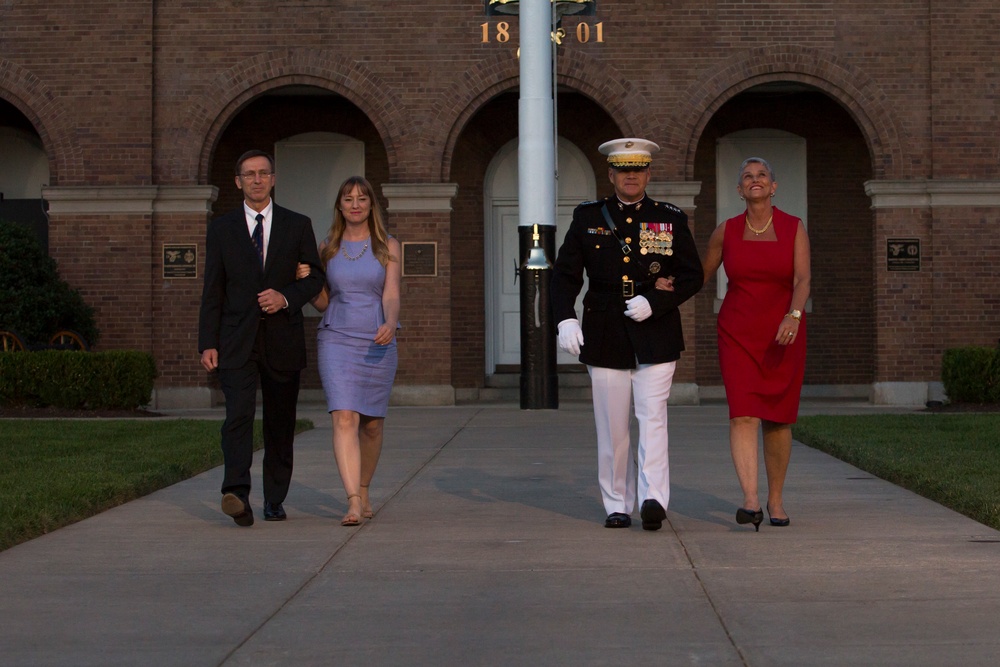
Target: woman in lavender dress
[(357, 336)]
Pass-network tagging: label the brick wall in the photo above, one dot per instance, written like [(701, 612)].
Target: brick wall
[(108, 258), (175, 302), (81, 73), (905, 348), (169, 93), (962, 274), (965, 96), (94, 62), (426, 314)]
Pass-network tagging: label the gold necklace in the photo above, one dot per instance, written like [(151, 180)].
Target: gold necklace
[(758, 232), (343, 251)]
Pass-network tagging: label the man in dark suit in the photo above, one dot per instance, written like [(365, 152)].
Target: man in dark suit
[(631, 335), (251, 328)]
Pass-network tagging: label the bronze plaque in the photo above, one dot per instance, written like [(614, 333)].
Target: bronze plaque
[(420, 259), (902, 255), (180, 260)]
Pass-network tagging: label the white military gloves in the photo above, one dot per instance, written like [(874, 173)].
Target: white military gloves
[(570, 336), (638, 308)]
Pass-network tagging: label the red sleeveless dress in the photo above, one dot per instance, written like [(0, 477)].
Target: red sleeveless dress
[(762, 379)]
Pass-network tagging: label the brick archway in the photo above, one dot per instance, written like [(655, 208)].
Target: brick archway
[(856, 92), (49, 118), (492, 76), (236, 87)]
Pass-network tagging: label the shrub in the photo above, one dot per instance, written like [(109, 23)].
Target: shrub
[(119, 379), (971, 374), (37, 303)]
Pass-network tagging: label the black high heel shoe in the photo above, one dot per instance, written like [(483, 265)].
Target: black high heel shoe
[(777, 522), (750, 516)]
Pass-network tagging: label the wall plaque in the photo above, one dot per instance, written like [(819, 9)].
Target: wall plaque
[(420, 259), (180, 260), (902, 255)]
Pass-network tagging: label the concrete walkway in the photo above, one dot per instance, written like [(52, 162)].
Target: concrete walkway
[(488, 548)]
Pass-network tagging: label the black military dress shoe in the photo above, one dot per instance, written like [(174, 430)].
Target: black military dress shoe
[(618, 520), (238, 508), (274, 512), (652, 514)]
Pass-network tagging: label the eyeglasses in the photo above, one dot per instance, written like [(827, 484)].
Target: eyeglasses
[(251, 175)]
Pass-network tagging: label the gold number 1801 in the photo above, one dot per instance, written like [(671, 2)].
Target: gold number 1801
[(584, 32)]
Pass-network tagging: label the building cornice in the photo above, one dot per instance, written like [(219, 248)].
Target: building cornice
[(100, 200), (185, 198), (125, 200), (932, 193), (679, 193), (419, 197)]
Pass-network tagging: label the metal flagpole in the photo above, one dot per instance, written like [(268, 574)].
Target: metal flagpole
[(536, 190)]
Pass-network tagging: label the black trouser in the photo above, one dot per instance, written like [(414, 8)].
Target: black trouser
[(280, 394)]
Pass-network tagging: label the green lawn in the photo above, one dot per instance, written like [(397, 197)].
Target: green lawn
[(57, 472), (953, 459)]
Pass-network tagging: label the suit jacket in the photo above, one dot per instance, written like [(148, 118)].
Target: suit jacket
[(610, 338), (230, 316)]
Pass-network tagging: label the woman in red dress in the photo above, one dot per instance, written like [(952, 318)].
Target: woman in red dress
[(762, 334)]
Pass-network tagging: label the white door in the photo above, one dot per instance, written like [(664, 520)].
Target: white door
[(26, 169), (309, 169), (503, 295)]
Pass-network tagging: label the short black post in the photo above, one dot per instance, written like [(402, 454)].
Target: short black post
[(539, 379)]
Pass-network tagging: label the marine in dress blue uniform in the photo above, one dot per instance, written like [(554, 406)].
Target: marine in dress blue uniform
[(630, 337)]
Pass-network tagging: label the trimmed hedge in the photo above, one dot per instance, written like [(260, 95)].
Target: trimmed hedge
[(117, 379), (971, 374)]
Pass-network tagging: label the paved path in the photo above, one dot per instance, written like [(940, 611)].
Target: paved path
[(488, 548)]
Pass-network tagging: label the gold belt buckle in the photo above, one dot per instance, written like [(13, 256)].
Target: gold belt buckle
[(628, 288)]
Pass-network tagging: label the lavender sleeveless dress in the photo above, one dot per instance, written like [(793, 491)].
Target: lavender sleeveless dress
[(357, 373)]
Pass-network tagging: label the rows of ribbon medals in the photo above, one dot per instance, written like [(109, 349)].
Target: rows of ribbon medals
[(656, 237)]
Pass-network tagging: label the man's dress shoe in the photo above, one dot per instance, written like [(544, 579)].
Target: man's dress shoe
[(618, 520), (274, 512), (238, 508), (652, 514)]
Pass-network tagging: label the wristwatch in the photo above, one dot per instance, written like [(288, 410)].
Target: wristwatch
[(795, 315)]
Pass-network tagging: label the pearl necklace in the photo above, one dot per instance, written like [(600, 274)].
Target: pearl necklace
[(758, 232), (343, 251)]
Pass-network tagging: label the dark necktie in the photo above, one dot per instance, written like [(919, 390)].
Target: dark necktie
[(258, 237)]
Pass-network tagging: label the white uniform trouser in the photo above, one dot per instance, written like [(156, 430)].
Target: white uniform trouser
[(612, 391)]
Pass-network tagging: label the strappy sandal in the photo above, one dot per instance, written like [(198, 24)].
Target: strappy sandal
[(366, 512), (351, 519)]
